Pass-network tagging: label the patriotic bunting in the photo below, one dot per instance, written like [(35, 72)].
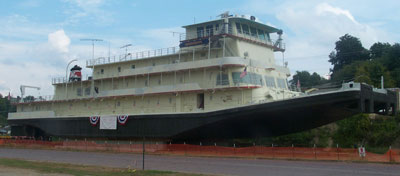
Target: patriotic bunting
[(94, 120), (122, 119)]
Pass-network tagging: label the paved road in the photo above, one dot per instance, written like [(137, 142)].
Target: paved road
[(220, 166)]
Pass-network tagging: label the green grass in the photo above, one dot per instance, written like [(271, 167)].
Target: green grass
[(80, 170)]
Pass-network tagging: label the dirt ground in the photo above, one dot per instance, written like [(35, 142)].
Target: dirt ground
[(11, 171)]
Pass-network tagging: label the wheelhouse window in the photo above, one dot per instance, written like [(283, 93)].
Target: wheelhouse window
[(245, 29), (209, 30), (253, 31), (261, 34), (267, 36), (270, 81), (238, 28), (200, 32)]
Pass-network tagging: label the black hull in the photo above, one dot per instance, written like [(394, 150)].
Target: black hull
[(259, 120)]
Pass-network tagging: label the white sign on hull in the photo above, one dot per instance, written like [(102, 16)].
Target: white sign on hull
[(108, 122)]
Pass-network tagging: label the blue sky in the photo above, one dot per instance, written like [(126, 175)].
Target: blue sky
[(38, 37)]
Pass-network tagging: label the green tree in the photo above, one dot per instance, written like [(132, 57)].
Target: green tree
[(378, 131), (377, 50), (306, 79), (347, 50), (370, 72)]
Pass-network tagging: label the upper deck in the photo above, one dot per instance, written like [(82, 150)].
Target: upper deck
[(199, 35)]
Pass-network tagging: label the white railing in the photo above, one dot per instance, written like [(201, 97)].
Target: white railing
[(28, 99), (133, 56), (58, 80)]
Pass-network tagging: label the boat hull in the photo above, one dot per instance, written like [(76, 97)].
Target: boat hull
[(257, 120)]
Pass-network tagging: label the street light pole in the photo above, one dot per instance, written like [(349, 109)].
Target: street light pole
[(66, 78)]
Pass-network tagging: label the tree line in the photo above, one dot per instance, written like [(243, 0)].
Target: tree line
[(352, 62)]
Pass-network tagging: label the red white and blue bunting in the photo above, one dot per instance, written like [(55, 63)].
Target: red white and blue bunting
[(122, 119), (94, 120)]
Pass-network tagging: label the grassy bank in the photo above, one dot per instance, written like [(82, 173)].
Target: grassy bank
[(80, 170)]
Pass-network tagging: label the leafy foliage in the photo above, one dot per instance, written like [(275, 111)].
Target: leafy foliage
[(306, 79), (5, 108), (348, 50), (363, 130)]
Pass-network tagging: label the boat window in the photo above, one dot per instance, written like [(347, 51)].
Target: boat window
[(102, 71), (261, 34), (281, 83), (78, 91), (119, 69), (133, 66), (200, 32), (209, 30), (238, 28), (249, 78), (222, 79), (245, 29), (87, 91), (270, 81), (216, 28), (145, 83), (267, 36), (253, 31)]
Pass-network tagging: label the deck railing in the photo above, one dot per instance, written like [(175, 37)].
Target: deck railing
[(132, 56)]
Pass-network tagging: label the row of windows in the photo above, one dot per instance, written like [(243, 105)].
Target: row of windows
[(252, 78), (209, 30), (119, 68), (252, 31)]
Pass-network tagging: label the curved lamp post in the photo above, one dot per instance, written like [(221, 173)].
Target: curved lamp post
[(66, 78)]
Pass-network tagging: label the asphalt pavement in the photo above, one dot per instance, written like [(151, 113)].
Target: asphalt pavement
[(206, 165)]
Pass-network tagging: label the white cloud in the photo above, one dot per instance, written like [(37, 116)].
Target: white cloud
[(313, 28), (59, 40), (326, 8), (89, 11)]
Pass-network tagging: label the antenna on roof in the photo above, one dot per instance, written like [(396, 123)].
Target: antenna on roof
[(93, 40), (126, 48)]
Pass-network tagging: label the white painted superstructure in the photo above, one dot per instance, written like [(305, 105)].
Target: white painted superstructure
[(206, 73)]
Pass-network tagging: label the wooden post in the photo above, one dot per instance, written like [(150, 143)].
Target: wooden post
[(337, 151), (315, 153), (143, 153), (292, 151)]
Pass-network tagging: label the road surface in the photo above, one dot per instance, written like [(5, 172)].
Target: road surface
[(206, 165)]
